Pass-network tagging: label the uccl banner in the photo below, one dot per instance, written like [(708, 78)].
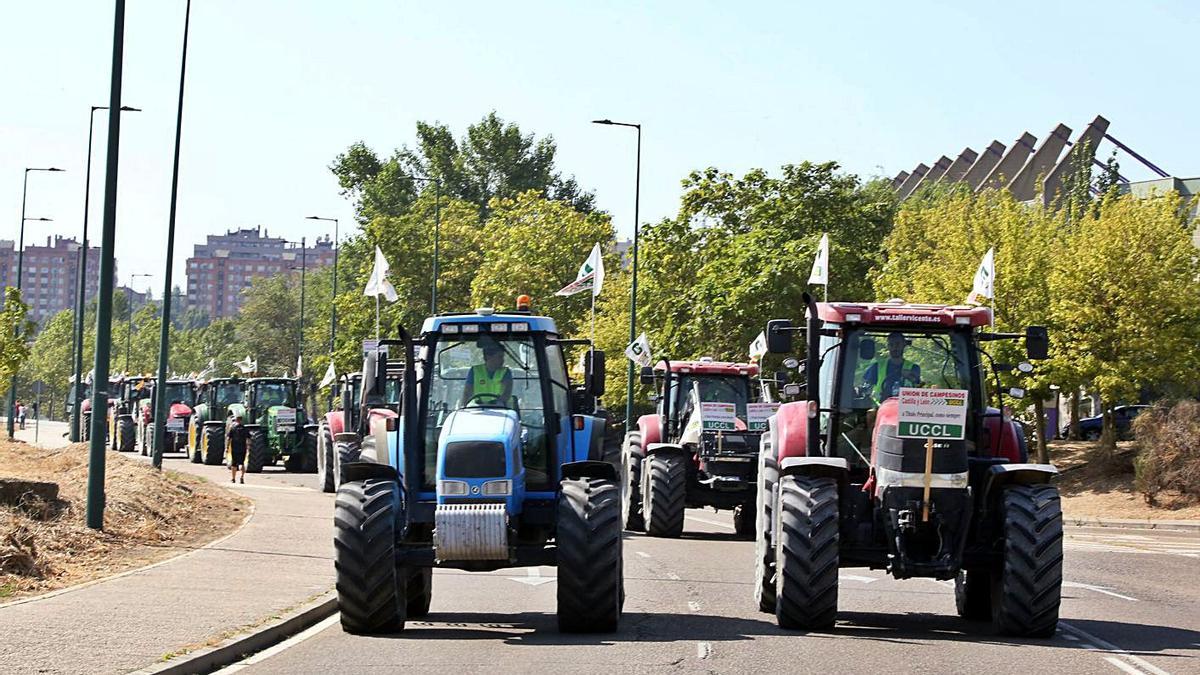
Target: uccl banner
[(932, 413)]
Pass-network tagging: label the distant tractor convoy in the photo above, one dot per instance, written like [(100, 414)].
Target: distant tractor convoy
[(468, 447)]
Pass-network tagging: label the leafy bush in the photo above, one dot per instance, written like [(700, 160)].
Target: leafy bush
[(1168, 441)]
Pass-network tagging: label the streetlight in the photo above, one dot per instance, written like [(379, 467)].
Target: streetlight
[(303, 270), (164, 336), (12, 389), (129, 314), (81, 291), (333, 303), (437, 227), (637, 193)]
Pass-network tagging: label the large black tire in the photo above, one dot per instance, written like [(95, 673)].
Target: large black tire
[(1027, 590), (590, 579), (806, 555), (256, 451), (85, 429), (631, 480), (196, 454), (664, 493), (212, 440), (420, 592), (743, 521), (126, 433), (325, 462), (344, 453), (764, 545), (371, 589), (973, 594), (304, 458)]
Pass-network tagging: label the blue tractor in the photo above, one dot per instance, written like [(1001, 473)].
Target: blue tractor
[(495, 462)]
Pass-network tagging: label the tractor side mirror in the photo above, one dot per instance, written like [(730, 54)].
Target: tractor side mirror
[(1037, 343), (791, 389), (779, 336), (647, 375), (1017, 393), (595, 372)]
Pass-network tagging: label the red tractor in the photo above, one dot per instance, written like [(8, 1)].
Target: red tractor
[(699, 449), (362, 417), (894, 460)]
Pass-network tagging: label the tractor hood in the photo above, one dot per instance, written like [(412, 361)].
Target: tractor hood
[(479, 458), (481, 424), (179, 410)]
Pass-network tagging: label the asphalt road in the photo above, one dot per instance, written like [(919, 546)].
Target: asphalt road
[(1130, 605)]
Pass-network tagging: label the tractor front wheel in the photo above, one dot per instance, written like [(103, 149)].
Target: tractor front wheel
[(420, 592), (972, 594), (257, 452), (344, 453), (1027, 590), (764, 547), (590, 582), (325, 463), (806, 554), (372, 591), (212, 440), (631, 480), (126, 433), (664, 493)]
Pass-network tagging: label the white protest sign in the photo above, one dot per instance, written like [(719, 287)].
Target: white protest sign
[(716, 416), (932, 413), (285, 418), (175, 425), (757, 415)]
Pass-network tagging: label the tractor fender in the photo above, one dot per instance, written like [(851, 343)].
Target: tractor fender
[(650, 427), (788, 429), (212, 423), (345, 437), (816, 467), (334, 421), (1005, 437), (1000, 475), (589, 469), (311, 427), (359, 471), (665, 448)]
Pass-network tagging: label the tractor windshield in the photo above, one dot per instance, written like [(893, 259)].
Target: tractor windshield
[(180, 392), (270, 394), (878, 362), (489, 371), (714, 389), (228, 393)]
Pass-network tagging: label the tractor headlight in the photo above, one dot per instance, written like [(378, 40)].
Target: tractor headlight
[(497, 488), (452, 488)]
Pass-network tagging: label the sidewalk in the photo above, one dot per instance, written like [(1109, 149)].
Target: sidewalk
[(280, 559)]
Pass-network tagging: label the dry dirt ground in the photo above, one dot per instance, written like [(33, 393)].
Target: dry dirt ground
[(1110, 493), (150, 516)]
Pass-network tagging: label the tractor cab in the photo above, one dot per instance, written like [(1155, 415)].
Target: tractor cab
[(181, 403), (206, 430), (896, 438)]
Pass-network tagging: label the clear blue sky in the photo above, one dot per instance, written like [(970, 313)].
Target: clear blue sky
[(276, 88)]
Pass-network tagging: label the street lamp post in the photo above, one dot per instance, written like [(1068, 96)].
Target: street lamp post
[(129, 317), (12, 389), (303, 270), (81, 290), (164, 336), (637, 193), (333, 303)]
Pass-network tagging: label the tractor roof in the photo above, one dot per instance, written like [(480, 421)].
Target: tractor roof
[(268, 380), (899, 313), (487, 321), (705, 366)]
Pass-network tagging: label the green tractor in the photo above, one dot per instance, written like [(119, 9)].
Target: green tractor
[(277, 426), (206, 434), (122, 409)]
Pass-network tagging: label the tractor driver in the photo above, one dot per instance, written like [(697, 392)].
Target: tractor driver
[(890, 371), (489, 382)]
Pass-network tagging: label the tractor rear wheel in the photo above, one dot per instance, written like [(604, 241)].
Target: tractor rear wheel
[(344, 453), (743, 521), (973, 594), (420, 591), (85, 429), (664, 493), (325, 463), (371, 589), (806, 555), (256, 451), (631, 482), (590, 582), (1027, 590), (212, 440), (764, 547), (126, 432)]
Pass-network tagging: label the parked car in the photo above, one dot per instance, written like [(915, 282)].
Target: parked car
[(1090, 427)]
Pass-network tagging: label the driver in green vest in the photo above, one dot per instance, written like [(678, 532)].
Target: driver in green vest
[(891, 371), (491, 380)]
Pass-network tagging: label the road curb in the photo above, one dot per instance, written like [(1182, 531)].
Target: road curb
[(1134, 524), (235, 649)]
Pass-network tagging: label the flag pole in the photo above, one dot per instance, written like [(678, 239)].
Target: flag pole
[(593, 320), (376, 317)]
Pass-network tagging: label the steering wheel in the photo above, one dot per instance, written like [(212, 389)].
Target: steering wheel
[(495, 399)]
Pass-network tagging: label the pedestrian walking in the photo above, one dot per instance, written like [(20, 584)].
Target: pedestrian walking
[(235, 434), (21, 415)]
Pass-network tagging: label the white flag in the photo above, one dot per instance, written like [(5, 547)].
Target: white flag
[(247, 365), (985, 279), (300, 366), (820, 268), (758, 348), (591, 275), (329, 378), (378, 284), (638, 351)]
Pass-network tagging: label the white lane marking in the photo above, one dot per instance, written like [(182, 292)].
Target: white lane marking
[(1097, 589), (855, 577), (1110, 647), (694, 606), (533, 577), (714, 523), (286, 644), (643, 554), (1123, 666), (703, 650), (672, 576)]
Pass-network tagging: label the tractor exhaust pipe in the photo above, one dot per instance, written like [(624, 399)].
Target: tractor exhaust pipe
[(408, 417), (812, 377), (665, 422)]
